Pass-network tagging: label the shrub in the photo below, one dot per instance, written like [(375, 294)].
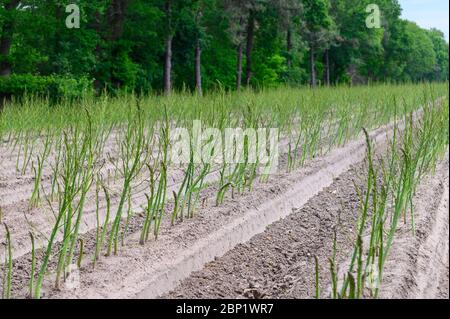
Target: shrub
[(54, 87)]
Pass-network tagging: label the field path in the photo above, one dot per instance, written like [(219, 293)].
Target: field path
[(418, 267), (279, 263)]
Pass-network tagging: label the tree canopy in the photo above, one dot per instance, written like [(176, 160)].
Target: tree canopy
[(160, 45)]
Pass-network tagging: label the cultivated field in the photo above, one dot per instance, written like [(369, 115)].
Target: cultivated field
[(351, 200)]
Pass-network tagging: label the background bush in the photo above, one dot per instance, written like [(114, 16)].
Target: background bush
[(54, 87)]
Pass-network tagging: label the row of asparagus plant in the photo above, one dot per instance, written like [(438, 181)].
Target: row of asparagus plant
[(419, 141)]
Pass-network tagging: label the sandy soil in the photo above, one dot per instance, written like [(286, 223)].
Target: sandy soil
[(418, 267), (154, 269), (17, 219), (279, 263), (16, 189), (145, 272)]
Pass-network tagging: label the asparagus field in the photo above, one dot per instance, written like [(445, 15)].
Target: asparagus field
[(298, 193)]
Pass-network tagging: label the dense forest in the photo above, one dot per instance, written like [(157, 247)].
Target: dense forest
[(164, 45)]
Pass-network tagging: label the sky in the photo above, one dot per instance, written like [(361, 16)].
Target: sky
[(427, 13)]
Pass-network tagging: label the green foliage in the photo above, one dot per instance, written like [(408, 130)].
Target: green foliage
[(54, 87), (421, 57), (270, 72), (124, 49), (317, 14), (440, 46)]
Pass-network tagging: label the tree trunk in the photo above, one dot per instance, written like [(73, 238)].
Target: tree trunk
[(5, 45), (289, 47), (116, 18), (57, 44), (250, 39), (239, 67), (313, 66), (168, 50), (116, 21), (168, 65), (97, 25), (198, 68), (327, 68), (6, 39), (198, 53)]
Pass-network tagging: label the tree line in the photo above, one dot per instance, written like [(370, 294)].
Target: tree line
[(162, 45)]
